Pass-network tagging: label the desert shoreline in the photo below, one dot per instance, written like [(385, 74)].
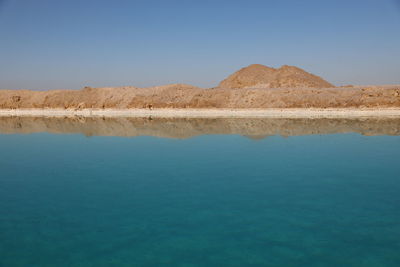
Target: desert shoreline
[(208, 113)]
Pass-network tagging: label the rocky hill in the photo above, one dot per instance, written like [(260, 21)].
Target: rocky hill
[(260, 76)]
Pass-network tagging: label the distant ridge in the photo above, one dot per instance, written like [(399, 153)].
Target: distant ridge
[(260, 76)]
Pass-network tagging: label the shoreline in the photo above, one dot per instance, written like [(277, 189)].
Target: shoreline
[(208, 113)]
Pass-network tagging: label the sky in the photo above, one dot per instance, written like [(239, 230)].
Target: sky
[(47, 44)]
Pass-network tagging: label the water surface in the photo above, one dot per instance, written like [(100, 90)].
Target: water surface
[(329, 196)]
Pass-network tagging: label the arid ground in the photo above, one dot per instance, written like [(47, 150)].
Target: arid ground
[(253, 87)]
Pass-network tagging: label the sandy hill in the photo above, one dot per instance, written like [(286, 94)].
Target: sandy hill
[(260, 76)]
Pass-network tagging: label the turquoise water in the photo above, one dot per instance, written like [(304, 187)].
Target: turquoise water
[(212, 200)]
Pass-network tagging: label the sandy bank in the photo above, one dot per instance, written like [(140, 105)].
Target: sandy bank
[(209, 113), (180, 96)]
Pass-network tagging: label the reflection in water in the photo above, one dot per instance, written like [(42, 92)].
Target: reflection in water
[(186, 128)]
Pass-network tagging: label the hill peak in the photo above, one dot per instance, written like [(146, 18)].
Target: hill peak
[(261, 76)]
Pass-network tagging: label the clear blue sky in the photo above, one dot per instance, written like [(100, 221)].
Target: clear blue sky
[(46, 44)]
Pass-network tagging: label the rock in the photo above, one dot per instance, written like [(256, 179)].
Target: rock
[(16, 98)]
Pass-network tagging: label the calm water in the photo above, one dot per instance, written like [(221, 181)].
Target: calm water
[(210, 200)]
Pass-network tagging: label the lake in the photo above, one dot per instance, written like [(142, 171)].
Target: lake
[(199, 192)]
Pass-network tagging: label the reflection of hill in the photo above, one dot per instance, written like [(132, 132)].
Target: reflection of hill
[(186, 128)]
